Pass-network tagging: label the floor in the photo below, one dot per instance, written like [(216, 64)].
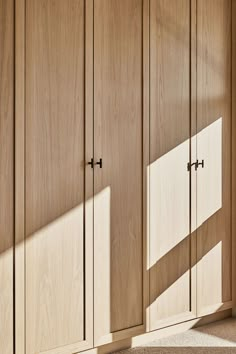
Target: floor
[(215, 338)]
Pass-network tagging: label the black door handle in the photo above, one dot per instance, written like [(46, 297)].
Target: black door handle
[(91, 163), (201, 163), (189, 165), (99, 163), (196, 164)]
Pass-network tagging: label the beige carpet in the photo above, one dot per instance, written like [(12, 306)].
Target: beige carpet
[(216, 338)]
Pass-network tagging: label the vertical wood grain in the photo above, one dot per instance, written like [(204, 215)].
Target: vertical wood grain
[(19, 176), (55, 264), (6, 174), (234, 153), (118, 119), (146, 159), (54, 109), (170, 112), (214, 239), (89, 150), (193, 154)]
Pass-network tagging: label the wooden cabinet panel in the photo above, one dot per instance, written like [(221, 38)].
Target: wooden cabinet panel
[(214, 146), (6, 174), (55, 175), (118, 203), (170, 127)]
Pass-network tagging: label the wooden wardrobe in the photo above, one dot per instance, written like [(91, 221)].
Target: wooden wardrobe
[(116, 170)]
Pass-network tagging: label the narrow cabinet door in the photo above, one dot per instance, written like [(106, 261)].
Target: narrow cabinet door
[(214, 94), (118, 126), (6, 174), (171, 281), (57, 282)]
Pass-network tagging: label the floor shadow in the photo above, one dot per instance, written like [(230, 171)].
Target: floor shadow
[(225, 330)]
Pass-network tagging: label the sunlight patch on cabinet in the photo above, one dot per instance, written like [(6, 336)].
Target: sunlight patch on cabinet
[(210, 270), (169, 201), (209, 178), (102, 260), (6, 282), (54, 282)]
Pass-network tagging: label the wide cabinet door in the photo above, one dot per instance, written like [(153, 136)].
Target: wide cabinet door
[(118, 187), (6, 174), (172, 281), (50, 140), (214, 240)]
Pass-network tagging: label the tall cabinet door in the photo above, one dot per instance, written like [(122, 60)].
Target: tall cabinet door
[(6, 174), (118, 203), (172, 283), (57, 262), (214, 286)]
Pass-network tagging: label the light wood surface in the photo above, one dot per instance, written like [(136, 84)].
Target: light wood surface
[(6, 174), (19, 176), (118, 119), (146, 159), (57, 194), (234, 154), (214, 241), (58, 315), (89, 148), (193, 154), (170, 240)]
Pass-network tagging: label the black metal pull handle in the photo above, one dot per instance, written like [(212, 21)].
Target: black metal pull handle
[(99, 163), (201, 163), (189, 165), (91, 163), (196, 164)]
